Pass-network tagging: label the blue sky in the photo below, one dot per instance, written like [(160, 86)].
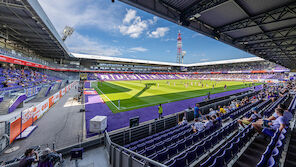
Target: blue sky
[(116, 29)]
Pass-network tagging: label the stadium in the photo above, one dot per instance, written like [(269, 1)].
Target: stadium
[(61, 105)]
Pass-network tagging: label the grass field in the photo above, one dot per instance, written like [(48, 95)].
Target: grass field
[(139, 94)]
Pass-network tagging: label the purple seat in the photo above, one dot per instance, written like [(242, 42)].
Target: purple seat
[(227, 155), (159, 146), (171, 163), (200, 149), (208, 162), (141, 146), (271, 162), (45, 163), (175, 138), (181, 145), (191, 155), (208, 144), (153, 156), (262, 162), (149, 143), (162, 155), (188, 141), (167, 142), (172, 150), (150, 150), (181, 160)]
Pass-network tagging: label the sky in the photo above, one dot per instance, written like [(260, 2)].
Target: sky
[(116, 29)]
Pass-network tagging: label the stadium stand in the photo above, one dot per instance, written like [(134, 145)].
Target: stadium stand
[(42, 75)]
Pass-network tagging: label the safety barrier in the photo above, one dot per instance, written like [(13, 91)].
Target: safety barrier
[(30, 115)]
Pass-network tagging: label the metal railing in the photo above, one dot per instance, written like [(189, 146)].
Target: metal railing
[(123, 157)]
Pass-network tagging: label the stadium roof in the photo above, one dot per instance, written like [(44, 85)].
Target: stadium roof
[(265, 28), (108, 59), (25, 22)]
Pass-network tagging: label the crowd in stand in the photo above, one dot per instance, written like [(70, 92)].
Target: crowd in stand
[(249, 66), (241, 76), (12, 77)]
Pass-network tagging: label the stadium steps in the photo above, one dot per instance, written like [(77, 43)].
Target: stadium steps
[(291, 153), (4, 105), (42, 92), (253, 153)]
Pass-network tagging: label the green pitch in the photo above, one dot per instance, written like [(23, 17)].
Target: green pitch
[(128, 95)]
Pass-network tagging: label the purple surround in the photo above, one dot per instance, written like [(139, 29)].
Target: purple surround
[(95, 106), (18, 101)]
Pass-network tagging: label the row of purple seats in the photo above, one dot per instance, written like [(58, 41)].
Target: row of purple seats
[(259, 107), (198, 149), (222, 157), (270, 110), (272, 154), (243, 110), (175, 129), (167, 149)]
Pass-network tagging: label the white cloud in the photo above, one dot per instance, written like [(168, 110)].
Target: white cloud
[(130, 15), (138, 49), (133, 25), (82, 44), (80, 13), (159, 32)]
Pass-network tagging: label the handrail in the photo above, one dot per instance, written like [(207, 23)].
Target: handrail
[(133, 153)]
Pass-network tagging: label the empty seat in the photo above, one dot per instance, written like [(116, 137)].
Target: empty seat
[(159, 146), (171, 163), (181, 145), (172, 150), (150, 150), (200, 149), (162, 155), (188, 141), (181, 160), (191, 155), (149, 143), (141, 146), (208, 162)]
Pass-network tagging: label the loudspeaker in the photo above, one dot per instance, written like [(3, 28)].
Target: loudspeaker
[(76, 153)]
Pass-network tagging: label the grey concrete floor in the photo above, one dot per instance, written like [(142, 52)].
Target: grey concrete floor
[(62, 125)]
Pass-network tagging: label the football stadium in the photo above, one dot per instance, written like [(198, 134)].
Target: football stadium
[(148, 83)]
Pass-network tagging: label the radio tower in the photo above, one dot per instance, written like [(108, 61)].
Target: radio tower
[(179, 46)]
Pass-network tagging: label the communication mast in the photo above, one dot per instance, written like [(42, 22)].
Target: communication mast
[(179, 46)]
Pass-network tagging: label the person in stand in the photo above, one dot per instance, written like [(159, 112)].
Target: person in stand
[(253, 117), (160, 111), (197, 113), (29, 158)]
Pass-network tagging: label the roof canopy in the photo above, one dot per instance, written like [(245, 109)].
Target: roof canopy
[(265, 28), (26, 23), (148, 62)]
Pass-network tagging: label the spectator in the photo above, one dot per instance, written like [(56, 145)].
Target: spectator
[(50, 156), (198, 126), (197, 113), (246, 121), (212, 112), (184, 121), (221, 110), (278, 123), (208, 123), (28, 160)]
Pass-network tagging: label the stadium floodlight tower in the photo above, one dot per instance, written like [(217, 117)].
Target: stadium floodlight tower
[(179, 47), (68, 31)]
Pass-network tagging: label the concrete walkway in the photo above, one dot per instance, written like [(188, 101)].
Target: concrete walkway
[(60, 125)]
